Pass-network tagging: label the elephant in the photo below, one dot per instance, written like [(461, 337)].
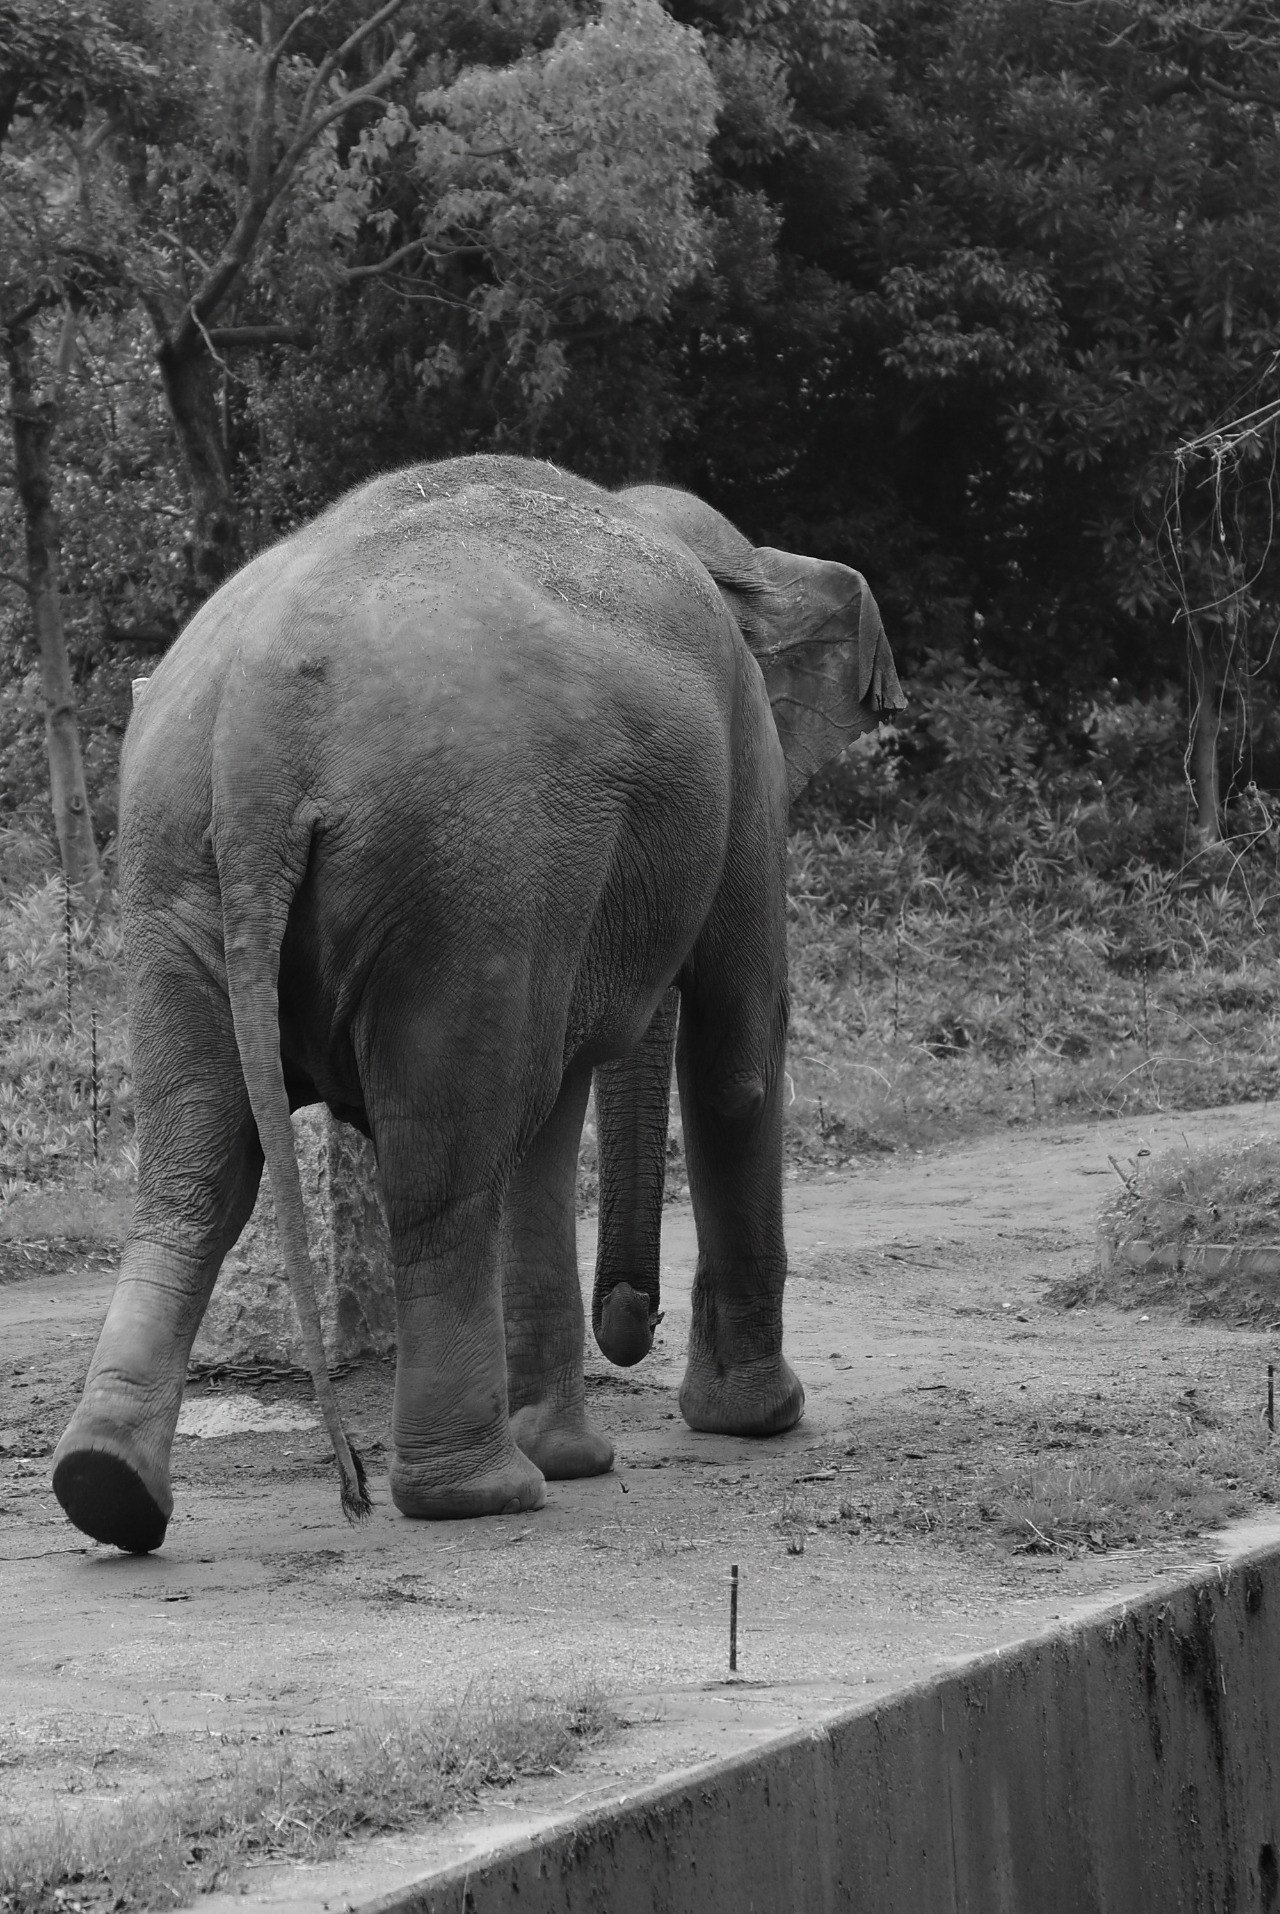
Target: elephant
[(814, 629), (427, 815)]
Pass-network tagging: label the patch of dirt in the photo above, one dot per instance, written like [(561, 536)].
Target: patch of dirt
[(954, 1413)]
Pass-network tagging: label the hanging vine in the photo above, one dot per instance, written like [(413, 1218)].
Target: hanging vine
[(1216, 546)]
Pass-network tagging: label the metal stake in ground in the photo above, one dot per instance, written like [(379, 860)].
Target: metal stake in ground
[(1271, 1399), (733, 1619)]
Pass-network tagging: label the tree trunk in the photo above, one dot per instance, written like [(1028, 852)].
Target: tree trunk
[(187, 376), (33, 418), (187, 347), (1205, 720)]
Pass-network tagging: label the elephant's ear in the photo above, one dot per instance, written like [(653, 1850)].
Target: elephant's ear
[(816, 633), (812, 624)]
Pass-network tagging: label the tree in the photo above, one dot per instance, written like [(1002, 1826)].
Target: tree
[(535, 205), (980, 268), (241, 118), (1090, 260), (63, 70), (33, 412), (937, 289)]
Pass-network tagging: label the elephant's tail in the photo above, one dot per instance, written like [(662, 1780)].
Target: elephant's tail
[(261, 855)]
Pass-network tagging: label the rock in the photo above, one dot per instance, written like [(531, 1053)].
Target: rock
[(251, 1316), (231, 1413)]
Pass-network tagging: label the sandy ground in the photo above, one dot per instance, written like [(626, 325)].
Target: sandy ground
[(916, 1312)]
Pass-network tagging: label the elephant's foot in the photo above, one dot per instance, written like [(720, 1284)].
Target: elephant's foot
[(109, 1490), (111, 1468), (437, 1492), (760, 1397), (561, 1441)]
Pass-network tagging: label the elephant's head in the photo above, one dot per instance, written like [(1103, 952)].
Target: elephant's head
[(811, 623)]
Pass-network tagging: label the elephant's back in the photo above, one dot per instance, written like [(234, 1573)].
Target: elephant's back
[(487, 609), (440, 557), (455, 658), (506, 539)]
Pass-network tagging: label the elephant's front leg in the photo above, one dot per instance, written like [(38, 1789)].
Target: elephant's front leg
[(729, 1062), (542, 1300)]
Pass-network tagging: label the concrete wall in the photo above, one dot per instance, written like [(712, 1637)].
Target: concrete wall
[(1129, 1763)]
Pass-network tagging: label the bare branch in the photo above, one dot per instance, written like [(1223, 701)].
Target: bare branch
[(262, 130), (153, 635), (267, 183), (208, 340), (275, 54), (1170, 88), (66, 349), (23, 315), (1241, 96), (332, 61), (348, 274), (308, 134), (182, 246), (230, 338)]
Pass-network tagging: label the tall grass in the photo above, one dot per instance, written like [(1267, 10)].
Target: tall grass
[(964, 954), (62, 975), (979, 956)]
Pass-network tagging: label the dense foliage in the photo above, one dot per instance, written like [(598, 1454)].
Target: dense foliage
[(940, 287)]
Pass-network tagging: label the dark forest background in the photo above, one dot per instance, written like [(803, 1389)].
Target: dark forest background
[(980, 297)]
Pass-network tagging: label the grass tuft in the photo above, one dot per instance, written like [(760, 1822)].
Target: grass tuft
[(1164, 1206), (291, 1803), (1225, 1193), (1065, 1504)]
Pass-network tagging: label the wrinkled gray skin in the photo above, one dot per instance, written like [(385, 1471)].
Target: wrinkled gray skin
[(814, 630), (429, 813)]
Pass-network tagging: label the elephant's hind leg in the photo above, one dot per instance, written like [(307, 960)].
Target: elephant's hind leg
[(542, 1300), (454, 1453), (111, 1468), (445, 1089), (199, 1166)]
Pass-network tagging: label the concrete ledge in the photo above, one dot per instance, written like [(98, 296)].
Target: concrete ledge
[(1126, 1763), (1208, 1259)]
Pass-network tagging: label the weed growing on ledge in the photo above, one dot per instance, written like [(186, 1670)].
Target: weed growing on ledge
[(392, 1772)]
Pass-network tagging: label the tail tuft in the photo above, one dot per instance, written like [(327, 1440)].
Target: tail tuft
[(356, 1505)]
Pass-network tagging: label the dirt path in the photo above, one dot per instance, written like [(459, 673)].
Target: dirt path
[(916, 1316)]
